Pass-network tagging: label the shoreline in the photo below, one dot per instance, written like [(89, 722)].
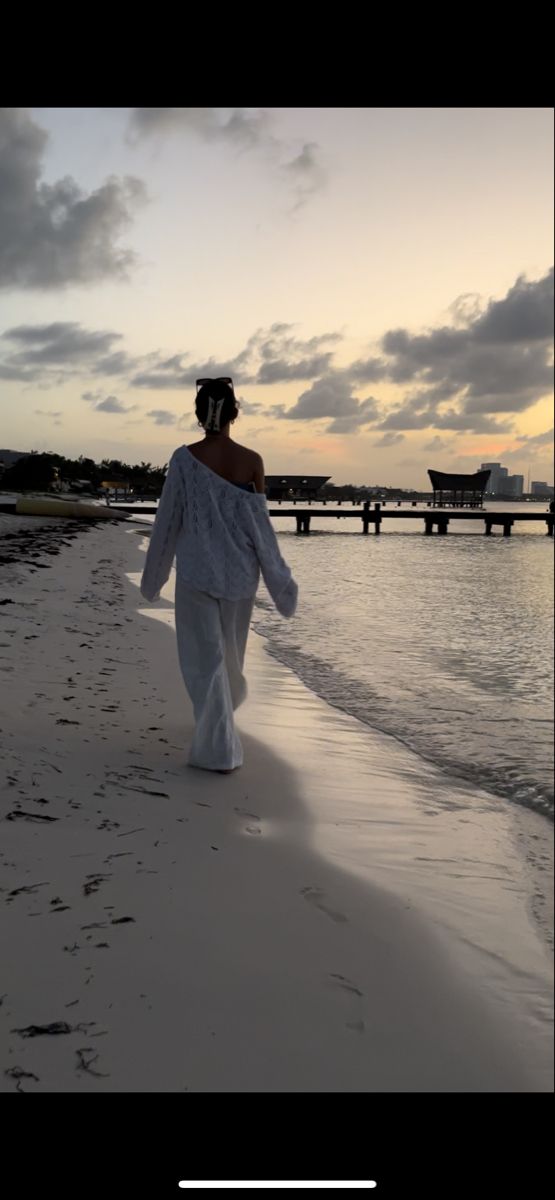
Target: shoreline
[(239, 945), (530, 825)]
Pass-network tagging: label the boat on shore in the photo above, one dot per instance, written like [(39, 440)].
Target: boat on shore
[(57, 506)]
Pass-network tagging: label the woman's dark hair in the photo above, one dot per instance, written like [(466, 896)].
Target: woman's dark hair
[(216, 390)]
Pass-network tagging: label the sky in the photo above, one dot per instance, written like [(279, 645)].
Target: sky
[(378, 282)]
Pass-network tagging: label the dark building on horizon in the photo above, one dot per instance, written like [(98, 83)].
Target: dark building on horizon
[(294, 487)]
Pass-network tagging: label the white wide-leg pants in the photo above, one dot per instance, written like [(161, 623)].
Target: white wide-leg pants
[(211, 641)]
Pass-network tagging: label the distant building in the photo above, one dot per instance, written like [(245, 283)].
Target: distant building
[(544, 491), (493, 482), (501, 483), (515, 486), (294, 487)]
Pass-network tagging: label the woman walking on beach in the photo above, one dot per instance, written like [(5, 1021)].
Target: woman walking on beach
[(213, 517)]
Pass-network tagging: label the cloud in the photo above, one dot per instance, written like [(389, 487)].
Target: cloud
[(480, 423), (241, 128), (271, 355), (411, 415), (250, 409), (390, 439), (175, 373), (472, 377), (331, 397), (109, 404), (283, 357), (497, 361), (112, 405), (525, 315), (238, 126), (532, 447), (63, 349), (41, 412), (367, 370), (538, 439), (280, 371), (185, 422), (54, 234), (306, 174), (59, 351), (161, 416), (437, 443), (466, 308)]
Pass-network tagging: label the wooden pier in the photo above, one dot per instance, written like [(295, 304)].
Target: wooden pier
[(433, 519)]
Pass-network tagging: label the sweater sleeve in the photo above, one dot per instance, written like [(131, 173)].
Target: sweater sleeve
[(275, 571), (168, 522)]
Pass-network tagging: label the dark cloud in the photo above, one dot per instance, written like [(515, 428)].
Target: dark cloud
[(161, 416), (54, 234), (282, 357), (413, 414), (60, 351), (272, 355), (175, 374), (331, 397), (368, 370), (463, 423), (109, 404), (499, 361), (494, 361), (525, 315), (118, 363), (112, 405), (279, 371)]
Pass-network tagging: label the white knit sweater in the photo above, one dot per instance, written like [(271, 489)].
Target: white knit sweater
[(221, 536)]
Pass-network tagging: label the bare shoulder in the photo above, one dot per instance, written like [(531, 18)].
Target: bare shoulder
[(251, 456)]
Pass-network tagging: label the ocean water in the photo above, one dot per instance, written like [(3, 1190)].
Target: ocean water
[(444, 642)]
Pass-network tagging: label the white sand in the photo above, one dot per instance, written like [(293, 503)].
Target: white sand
[(268, 949)]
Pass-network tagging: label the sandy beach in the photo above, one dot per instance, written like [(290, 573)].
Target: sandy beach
[(305, 924)]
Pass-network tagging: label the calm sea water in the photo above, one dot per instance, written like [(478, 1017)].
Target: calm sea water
[(444, 642)]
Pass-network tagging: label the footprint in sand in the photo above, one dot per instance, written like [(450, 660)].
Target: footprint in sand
[(318, 899), (345, 984), (254, 827)]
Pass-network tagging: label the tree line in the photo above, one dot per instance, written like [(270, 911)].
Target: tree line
[(50, 472)]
